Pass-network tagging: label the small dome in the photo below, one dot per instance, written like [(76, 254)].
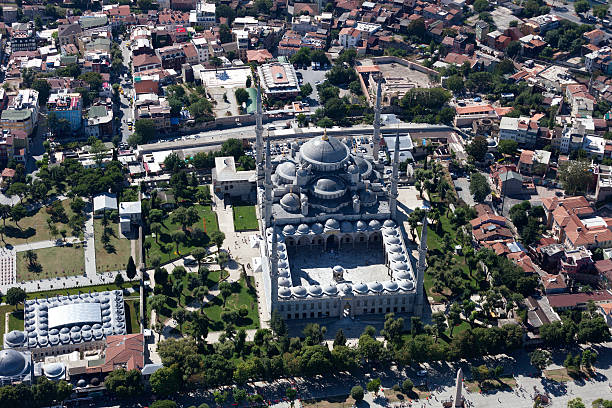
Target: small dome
[(332, 224), (330, 290), (346, 226), (299, 291), (397, 257), (12, 363), (374, 224), (390, 286), (284, 273), (392, 240), (361, 288), (302, 172), (75, 329), (345, 288), (54, 340), (338, 268), (375, 286), (283, 264), (81, 383), (15, 338), (54, 370), (315, 290), (303, 229), (406, 285), (76, 337), (290, 202), (284, 292), (399, 266), (352, 169), (64, 330), (390, 232), (402, 274), (361, 225), (317, 228), (368, 198), (284, 282), (389, 223), (394, 249)]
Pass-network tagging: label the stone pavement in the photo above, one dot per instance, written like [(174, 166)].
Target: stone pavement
[(90, 247)]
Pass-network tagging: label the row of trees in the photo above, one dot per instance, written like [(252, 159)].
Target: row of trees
[(43, 393)]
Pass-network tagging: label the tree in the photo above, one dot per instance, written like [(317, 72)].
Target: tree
[(130, 270), (340, 339), (374, 386), (156, 229), (582, 6), (407, 386), (540, 359), (477, 148), (42, 86), (119, 281), (479, 187), (217, 237), (166, 381), (508, 147), (199, 254), (163, 404), (575, 175), (225, 289), (124, 383), (145, 129), (15, 296), (600, 11), (455, 82), (242, 96), (291, 393), (18, 212), (32, 257), (575, 403), (178, 237), (481, 5), (514, 49), (306, 90), (225, 34), (357, 393)]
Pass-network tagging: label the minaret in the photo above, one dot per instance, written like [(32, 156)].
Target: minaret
[(421, 266), (259, 135), (394, 176), (273, 269), (268, 186), (458, 402), (376, 136)]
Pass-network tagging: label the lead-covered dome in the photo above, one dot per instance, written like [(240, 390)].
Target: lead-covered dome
[(286, 171), (15, 338), (325, 153), (12, 363), (290, 202)]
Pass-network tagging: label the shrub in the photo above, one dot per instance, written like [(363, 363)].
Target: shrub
[(407, 386), (357, 393)]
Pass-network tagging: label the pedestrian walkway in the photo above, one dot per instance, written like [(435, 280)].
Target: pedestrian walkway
[(90, 247)]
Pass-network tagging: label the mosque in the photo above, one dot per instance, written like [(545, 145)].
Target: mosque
[(332, 243)]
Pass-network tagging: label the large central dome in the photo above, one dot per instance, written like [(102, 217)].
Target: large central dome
[(324, 150), (12, 363)]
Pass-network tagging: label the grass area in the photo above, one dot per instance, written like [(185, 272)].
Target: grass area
[(502, 383), (52, 262), (332, 402), (34, 228), (113, 256), (435, 245), (558, 375), (82, 289), (245, 218), (244, 297), (164, 248), (398, 396), (132, 308), (4, 309), (16, 320)]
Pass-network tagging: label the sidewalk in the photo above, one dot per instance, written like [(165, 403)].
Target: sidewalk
[(90, 248)]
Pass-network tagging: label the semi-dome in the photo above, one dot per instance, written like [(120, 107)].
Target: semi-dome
[(315, 290), (360, 288), (375, 286), (390, 286), (368, 198), (324, 150), (365, 168), (374, 224), (332, 224), (329, 186), (361, 225), (286, 170), (12, 363), (15, 338), (54, 370), (346, 226), (290, 202), (317, 228)]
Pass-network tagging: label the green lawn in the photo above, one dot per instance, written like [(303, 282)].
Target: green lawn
[(245, 218), (114, 256), (34, 228), (82, 289), (52, 262), (131, 315), (244, 297), (16, 320), (4, 309), (165, 249)]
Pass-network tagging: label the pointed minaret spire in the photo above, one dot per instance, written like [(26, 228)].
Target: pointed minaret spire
[(394, 177), (259, 135), (376, 136)]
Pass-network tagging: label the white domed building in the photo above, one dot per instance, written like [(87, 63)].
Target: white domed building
[(332, 245)]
